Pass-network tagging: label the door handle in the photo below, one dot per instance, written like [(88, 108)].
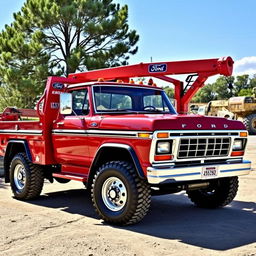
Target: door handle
[(60, 124)]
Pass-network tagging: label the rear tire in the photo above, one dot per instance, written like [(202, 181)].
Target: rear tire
[(119, 196), (26, 178), (220, 193), (250, 123)]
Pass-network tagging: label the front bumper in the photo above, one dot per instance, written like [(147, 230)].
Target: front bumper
[(158, 175)]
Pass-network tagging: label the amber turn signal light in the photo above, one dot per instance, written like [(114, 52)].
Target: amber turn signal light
[(143, 135), (163, 135), (243, 134)]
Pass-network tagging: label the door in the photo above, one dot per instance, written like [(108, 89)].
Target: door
[(70, 132)]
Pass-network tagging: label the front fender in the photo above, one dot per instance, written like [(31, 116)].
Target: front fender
[(126, 147)]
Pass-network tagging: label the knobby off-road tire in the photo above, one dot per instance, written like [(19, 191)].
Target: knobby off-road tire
[(250, 123), (119, 196), (26, 178), (221, 193)]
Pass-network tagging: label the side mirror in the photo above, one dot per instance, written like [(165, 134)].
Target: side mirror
[(66, 103)]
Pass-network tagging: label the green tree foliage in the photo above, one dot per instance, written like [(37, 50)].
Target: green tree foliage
[(221, 87), (58, 37), (169, 91), (241, 83), (23, 65), (206, 94), (81, 34), (10, 97), (225, 87)]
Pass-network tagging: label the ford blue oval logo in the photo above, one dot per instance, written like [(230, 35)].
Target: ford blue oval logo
[(157, 68), (58, 86), (93, 124)]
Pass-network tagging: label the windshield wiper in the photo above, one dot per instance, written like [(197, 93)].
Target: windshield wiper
[(155, 111), (118, 111)]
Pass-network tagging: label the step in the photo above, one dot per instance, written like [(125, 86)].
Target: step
[(69, 176)]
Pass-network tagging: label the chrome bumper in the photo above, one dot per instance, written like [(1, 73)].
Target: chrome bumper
[(165, 175)]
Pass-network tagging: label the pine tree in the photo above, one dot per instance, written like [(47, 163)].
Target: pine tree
[(80, 34), (23, 66), (58, 37)]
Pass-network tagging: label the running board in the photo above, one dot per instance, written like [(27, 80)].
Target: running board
[(68, 176)]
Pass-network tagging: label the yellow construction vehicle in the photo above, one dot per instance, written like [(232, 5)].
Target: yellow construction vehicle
[(237, 108)]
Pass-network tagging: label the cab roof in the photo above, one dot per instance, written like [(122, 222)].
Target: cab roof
[(118, 84)]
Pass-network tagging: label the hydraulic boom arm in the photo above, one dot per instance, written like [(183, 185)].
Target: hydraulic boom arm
[(200, 68)]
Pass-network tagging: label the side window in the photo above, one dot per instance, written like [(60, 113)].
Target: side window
[(80, 102)]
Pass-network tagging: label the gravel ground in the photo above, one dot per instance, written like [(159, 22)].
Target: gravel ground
[(63, 222)]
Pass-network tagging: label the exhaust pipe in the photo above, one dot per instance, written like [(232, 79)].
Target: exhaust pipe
[(197, 186)]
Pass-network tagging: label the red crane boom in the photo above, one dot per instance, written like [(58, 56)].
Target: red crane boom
[(203, 69)]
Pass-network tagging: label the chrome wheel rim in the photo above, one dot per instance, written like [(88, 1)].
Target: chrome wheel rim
[(20, 176), (114, 194)]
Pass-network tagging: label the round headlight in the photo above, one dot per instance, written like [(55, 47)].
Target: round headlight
[(163, 147)]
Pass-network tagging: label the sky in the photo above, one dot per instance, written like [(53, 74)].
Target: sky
[(185, 29)]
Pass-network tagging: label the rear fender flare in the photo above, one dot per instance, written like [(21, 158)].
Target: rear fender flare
[(11, 152)]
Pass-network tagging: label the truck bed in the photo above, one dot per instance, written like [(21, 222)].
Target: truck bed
[(30, 131)]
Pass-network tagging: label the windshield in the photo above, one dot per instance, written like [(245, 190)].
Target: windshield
[(113, 99)]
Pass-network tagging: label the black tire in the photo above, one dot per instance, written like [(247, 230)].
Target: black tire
[(250, 123), (220, 193), (26, 178), (135, 194), (61, 180)]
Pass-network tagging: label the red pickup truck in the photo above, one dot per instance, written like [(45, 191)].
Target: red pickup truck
[(126, 142)]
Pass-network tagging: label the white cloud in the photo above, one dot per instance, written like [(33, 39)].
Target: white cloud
[(246, 65)]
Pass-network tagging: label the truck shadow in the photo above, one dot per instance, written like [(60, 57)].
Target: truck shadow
[(3, 185), (173, 217), (75, 201)]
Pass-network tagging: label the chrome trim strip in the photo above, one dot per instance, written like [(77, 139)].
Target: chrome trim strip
[(20, 132), (19, 121), (58, 131), (197, 131), (176, 175), (110, 133), (133, 133)]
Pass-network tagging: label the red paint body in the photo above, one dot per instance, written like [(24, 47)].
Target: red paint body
[(76, 153)]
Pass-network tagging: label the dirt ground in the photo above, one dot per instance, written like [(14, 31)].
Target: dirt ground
[(63, 222)]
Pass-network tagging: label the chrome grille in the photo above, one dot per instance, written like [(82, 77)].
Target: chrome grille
[(203, 147)]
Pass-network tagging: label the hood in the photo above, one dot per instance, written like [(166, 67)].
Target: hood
[(152, 122)]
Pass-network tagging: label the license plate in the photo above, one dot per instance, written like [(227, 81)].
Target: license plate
[(209, 172)]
